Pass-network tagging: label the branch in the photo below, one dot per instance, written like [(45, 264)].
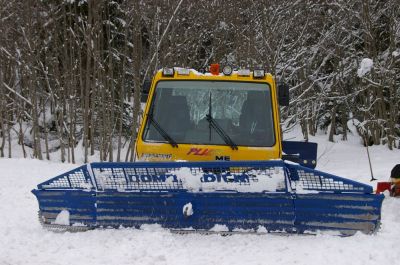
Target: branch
[(18, 94), (161, 39)]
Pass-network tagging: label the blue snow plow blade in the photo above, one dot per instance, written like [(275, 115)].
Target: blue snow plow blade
[(257, 195)]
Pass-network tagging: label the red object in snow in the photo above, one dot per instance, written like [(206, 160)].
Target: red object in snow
[(214, 69), (382, 186)]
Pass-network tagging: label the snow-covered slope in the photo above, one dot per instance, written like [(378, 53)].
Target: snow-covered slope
[(350, 159), (23, 241)]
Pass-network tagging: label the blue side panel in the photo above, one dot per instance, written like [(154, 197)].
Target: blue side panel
[(81, 205), (350, 212), (235, 210), (304, 153)]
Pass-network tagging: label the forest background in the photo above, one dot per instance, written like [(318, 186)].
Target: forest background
[(71, 71)]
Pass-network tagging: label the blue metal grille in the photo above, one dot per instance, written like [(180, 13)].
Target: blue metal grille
[(78, 178), (126, 179), (169, 176), (305, 179), (164, 176)]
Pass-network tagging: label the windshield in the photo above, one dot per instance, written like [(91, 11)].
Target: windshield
[(242, 111)]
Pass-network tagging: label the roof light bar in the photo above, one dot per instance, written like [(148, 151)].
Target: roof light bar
[(168, 72), (244, 72), (258, 73)]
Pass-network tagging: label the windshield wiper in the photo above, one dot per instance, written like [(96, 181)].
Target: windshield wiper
[(219, 129), (221, 132), (158, 127), (162, 132)]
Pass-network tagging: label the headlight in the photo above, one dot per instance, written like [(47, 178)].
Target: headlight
[(183, 71), (168, 71), (258, 73)]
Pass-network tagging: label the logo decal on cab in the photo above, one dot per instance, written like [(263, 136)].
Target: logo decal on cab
[(200, 151)]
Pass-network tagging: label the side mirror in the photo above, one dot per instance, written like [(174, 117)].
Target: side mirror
[(145, 91), (283, 94)]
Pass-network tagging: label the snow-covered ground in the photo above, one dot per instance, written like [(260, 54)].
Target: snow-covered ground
[(23, 241)]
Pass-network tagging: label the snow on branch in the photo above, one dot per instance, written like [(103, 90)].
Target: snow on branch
[(365, 67)]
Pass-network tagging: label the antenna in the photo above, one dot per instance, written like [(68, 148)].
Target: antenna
[(369, 160), (365, 142)]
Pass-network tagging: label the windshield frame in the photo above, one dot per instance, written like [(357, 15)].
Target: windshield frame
[(153, 99)]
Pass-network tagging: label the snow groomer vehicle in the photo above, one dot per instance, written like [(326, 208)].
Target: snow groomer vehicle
[(210, 158)]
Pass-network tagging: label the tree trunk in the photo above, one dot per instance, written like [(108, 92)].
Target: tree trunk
[(137, 81), (333, 124), (86, 118), (46, 140), (21, 136), (2, 120)]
